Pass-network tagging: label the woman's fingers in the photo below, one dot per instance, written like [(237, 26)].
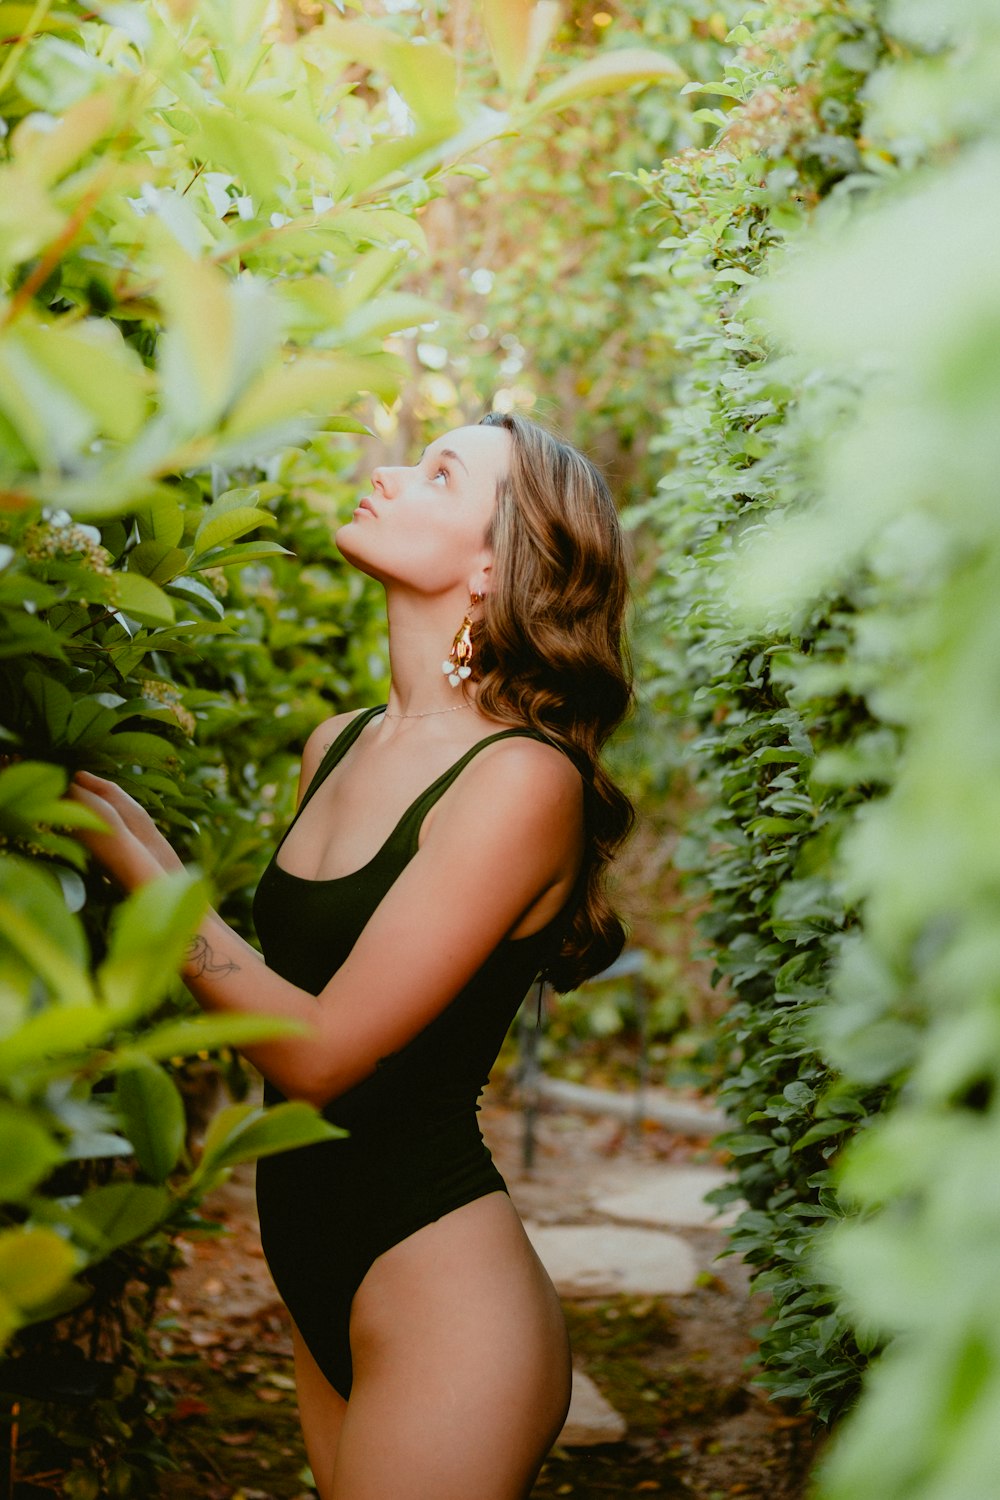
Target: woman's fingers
[(131, 817), (131, 812), (95, 802)]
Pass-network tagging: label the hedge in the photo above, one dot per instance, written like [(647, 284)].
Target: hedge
[(823, 626)]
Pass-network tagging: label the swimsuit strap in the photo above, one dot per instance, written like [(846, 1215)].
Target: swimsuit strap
[(334, 753), (418, 809)]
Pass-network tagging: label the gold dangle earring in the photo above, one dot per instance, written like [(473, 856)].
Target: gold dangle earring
[(459, 663)]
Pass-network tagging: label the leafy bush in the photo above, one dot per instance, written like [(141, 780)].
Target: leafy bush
[(761, 843), (828, 604), (899, 301), (203, 225)]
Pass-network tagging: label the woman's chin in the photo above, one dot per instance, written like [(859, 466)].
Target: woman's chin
[(346, 541)]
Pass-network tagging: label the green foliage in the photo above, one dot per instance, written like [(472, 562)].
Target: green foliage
[(903, 514), (826, 604), (204, 223), (189, 293), (761, 845)]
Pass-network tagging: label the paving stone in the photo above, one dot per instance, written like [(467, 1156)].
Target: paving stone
[(672, 1196), (607, 1260), (681, 1115), (592, 1419)]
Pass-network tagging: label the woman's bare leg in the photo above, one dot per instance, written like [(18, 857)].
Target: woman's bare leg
[(461, 1365), (321, 1412)]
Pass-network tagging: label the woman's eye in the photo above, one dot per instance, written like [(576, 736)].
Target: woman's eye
[(438, 474)]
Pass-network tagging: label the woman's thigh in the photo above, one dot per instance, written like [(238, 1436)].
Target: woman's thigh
[(321, 1412), (461, 1364)]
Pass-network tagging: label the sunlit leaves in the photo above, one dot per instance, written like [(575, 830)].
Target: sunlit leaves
[(422, 71), (519, 31), (603, 75)]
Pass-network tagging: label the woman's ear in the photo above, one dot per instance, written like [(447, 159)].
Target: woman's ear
[(479, 581)]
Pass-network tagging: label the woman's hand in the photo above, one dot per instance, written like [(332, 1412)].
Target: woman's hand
[(133, 850)]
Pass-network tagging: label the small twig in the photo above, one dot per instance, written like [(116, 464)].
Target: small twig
[(198, 171), (52, 256)]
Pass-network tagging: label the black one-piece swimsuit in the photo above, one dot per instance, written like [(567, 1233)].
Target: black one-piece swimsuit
[(414, 1151)]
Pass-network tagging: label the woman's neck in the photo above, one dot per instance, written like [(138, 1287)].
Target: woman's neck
[(421, 631)]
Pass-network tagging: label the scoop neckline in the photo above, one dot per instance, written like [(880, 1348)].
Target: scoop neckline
[(324, 881), (380, 851)]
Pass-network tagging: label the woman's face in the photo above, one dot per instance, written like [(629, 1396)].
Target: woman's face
[(426, 526)]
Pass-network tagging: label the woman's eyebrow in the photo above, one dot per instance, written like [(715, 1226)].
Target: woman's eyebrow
[(446, 453)]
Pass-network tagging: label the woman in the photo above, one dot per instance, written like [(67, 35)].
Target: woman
[(447, 848)]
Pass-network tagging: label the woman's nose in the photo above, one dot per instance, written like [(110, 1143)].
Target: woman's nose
[(382, 478)]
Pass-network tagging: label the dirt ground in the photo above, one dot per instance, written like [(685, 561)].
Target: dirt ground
[(678, 1368)]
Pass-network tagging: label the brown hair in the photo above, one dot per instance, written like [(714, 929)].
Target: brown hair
[(550, 650)]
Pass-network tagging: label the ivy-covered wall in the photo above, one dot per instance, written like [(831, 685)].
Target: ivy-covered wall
[(823, 629)]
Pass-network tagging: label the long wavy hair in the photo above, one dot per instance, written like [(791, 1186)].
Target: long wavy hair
[(550, 650)]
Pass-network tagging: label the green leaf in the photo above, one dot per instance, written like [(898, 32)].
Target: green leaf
[(243, 552), (152, 1114), (131, 746), (387, 315), (206, 1034), (519, 32), (157, 560), (29, 1152), (197, 592), (220, 528), (362, 226), (90, 720), (243, 1132), (67, 981), (34, 1265), (150, 933), (115, 1215), (30, 784), (142, 599), (314, 384), (53, 701), (161, 518), (92, 363), (607, 74), (196, 352), (60, 1031), (422, 71), (256, 154), (822, 1130)]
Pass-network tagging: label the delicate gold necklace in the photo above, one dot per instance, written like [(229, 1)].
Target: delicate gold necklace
[(428, 714)]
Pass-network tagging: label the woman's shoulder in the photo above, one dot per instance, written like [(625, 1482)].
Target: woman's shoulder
[(327, 730), (521, 765), (519, 799), (326, 733)]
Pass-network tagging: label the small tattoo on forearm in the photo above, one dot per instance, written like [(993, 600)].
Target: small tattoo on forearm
[(203, 961)]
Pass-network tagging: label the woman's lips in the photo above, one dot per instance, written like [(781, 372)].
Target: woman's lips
[(366, 505)]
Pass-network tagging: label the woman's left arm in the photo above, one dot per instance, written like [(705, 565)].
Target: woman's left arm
[(508, 832)]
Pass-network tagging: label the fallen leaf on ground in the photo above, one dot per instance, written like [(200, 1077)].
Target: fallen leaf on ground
[(190, 1406)]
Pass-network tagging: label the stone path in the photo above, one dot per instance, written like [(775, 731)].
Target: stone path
[(608, 1228)]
